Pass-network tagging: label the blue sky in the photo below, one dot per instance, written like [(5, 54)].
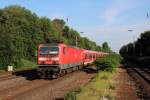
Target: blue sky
[(100, 20)]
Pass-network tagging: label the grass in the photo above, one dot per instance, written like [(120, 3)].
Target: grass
[(24, 64), (99, 88), (27, 63), (2, 71), (71, 95)]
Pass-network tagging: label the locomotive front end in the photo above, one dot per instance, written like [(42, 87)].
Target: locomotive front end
[(48, 60)]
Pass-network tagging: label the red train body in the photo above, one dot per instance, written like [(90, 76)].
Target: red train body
[(56, 58)]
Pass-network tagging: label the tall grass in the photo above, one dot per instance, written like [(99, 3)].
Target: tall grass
[(99, 88)]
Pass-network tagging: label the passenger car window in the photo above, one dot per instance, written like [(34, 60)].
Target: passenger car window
[(64, 50)]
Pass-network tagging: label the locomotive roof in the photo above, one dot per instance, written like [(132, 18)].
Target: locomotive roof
[(56, 44), (49, 44), (85, 50)]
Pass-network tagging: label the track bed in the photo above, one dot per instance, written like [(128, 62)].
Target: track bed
[(38, 89), (141, 76)]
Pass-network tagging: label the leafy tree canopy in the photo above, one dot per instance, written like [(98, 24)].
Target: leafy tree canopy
[(22, 30)]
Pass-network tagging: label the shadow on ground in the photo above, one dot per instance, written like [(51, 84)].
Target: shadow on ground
[(28, 74), (32, 73), (90, 69), (59, 99)]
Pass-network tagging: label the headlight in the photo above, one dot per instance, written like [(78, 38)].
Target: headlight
[(42, 58), (55, 58)]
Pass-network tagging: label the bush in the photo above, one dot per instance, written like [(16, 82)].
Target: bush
[(72, 95), (108, 63)]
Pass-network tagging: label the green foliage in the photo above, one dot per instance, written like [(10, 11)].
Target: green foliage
[(72, 94), (108, 63), (105, 47), (27, 64), (21, 31), (138, 49), (99, 88)]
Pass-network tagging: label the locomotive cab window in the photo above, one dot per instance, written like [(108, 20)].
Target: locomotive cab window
[(49, 50)]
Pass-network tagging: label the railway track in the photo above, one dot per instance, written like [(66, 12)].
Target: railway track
[(143, 73), (8, 77), (141, 77), (45, 88), (20, 84)]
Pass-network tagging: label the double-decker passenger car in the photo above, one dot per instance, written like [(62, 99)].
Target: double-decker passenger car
[(58, 58)]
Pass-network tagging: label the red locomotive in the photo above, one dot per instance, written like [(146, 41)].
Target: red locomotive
[(58, 58)]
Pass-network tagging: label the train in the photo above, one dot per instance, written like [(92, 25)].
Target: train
[(56, 59)]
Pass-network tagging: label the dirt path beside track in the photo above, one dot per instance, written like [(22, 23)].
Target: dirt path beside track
[(125, 86)]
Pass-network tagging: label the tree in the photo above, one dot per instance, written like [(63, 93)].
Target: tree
[(21, 31), (105, 47), (58, 25)]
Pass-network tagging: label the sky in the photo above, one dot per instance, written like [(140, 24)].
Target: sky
[(100, 20)]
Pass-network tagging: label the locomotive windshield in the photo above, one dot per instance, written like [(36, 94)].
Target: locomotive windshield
[(49, 50)]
